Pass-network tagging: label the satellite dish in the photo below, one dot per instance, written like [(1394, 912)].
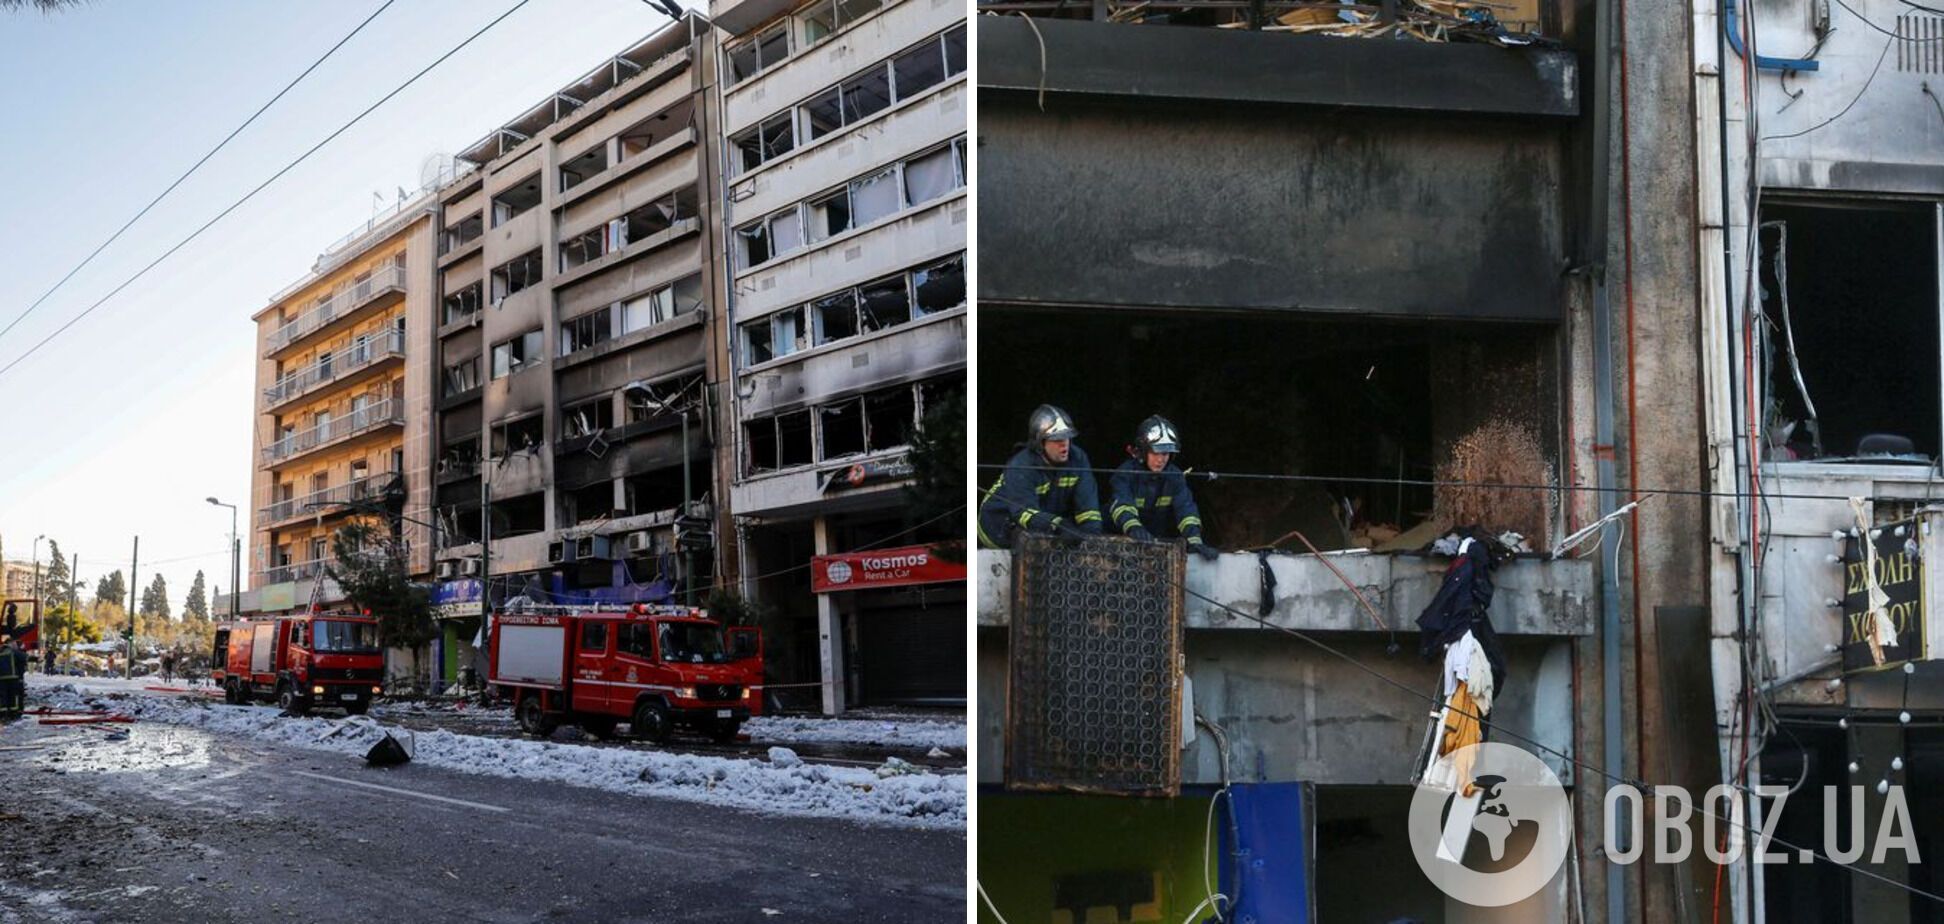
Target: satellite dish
[(434, 171)]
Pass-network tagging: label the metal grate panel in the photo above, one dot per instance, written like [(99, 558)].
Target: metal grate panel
[(1093, 699)]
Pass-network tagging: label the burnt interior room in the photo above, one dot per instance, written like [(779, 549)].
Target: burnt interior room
[(1849, 294), (1336, 401)]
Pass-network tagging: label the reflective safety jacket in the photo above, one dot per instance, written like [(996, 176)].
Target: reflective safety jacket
[(1158, 501), (1035, 495)]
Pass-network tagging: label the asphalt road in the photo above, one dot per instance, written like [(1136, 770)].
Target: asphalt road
[(177, 825)]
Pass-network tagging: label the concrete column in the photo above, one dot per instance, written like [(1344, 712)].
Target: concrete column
[(830, 633)]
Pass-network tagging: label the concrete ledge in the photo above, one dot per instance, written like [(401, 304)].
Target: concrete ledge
[(1551, 598)]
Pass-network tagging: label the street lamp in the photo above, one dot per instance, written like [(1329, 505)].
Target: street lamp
[(37, 589), (236, 558)]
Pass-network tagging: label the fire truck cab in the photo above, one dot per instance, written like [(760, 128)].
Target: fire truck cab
[(654, 667), (300, 662)]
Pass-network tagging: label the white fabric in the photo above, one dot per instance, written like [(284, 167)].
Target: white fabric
[(1465, 661)]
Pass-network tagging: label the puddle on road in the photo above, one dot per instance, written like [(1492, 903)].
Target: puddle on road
[(148, 748)]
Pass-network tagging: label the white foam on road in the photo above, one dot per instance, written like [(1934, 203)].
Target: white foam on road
[(916, 734), (922, 800)]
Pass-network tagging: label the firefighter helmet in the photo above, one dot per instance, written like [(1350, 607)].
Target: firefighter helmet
[(1049, 423), (1157, 435)]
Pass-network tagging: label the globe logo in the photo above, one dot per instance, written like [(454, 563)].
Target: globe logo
[(838, 573), (1500, 838)]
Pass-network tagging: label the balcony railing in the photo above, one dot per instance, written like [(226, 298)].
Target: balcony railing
[(294, 571), (337, 306), (362, 355), (357, 420), (370, 487)]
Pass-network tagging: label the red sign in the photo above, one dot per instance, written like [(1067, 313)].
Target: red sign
[(912, 564)]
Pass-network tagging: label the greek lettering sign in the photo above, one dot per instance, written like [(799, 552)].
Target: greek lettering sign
[(1897, 570), (900, 567), (864, 474)]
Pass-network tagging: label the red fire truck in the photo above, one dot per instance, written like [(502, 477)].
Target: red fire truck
[(300, 662), (654, 667)]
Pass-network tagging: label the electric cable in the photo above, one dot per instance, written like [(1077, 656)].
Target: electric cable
[(1845, 110), (192, 169), (259, 188)]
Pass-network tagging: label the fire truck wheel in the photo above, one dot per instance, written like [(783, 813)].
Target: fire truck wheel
[(532, 717), (230, 694), (651, 722), (289, 701), (599, 728), (724, 732)]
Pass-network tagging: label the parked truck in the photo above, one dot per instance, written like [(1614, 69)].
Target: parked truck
[(654, 667), (300, 662)]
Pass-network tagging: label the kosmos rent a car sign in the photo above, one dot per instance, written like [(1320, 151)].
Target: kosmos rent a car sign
[(915, 564)]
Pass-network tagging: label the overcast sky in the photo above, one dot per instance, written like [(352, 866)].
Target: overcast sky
[(125, 423)]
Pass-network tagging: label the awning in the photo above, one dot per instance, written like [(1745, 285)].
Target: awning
[(899, 567)]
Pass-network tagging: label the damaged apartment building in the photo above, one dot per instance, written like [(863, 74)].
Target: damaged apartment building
[(577, 406), (1822, 240), (1357, 256), (844, 176)]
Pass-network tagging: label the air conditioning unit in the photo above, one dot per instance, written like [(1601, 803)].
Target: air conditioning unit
[(561, 552), (447, 570), (469, 567), (640, 542), (592, 547)]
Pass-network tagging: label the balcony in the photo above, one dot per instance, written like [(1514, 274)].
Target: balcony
[(317, 503), (292, 571), (355, 422), (363, 356), (371, 291)]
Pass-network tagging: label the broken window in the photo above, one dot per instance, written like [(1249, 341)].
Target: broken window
[(768, 49), (515, 274), (1850, 340), (686, 294), (874, 197), (940, 286), (786, 232), (674, 395), (461, 233), (646, 309), (850, 11), (867, 94), (919, 69), (584, 247), (829, 216), (589, 330), (462, 304), (843, 428), (794, 445), (752, 244), (655, 490), (590, 503), (461, 377), (578, 170), (891, 416), (766, 141), (931, 175), (654, 218), (757, 347), (788, 334), (587, 417), (836, 316), (516, 516), (513, 355), (460, 457), (823, 114), (955, 50), (885, 303), (760, 440), (642, 135), (518, 435), (818, 21), (515, 201)]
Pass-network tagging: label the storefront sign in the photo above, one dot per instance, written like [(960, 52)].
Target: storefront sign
[(1899, 572), (901, 567), (456, 599), (863, 474)]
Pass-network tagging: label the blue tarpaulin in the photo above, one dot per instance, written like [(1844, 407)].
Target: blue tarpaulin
[(1272, 869)]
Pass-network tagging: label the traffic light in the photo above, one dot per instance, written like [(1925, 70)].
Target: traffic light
[(128, 635)]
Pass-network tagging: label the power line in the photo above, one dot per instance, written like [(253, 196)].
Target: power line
[(193, 168), (1853, 100), (260, 187)]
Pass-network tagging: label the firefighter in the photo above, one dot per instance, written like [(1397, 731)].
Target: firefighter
[(1048, 485), (1148, 496), (12, 685)]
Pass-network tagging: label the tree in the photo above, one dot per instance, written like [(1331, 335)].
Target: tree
[(155, 600), (368, 564), (54, 577), (45, 6), (61, 629), (198, 603), (937, 492), (112, 588)]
